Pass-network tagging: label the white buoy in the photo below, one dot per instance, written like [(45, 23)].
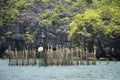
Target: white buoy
[(40, 49)]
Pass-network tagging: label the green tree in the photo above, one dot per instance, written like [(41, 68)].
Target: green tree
[(89, 22), (28, 37), (10, 9), (101, 21)]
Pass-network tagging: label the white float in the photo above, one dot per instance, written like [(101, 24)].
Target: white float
[(40, 49)]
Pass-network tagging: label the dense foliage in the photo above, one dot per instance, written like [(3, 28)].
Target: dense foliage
[(90, 22), (99, 21)]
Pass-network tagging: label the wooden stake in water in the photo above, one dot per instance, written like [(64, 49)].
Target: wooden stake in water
[(77, 50), (9, 52), (81, 62), (26, 53), (39, 57), (48, 55), (67, 54), (45, 57), (87, 57), (57, 55), (40, 49), (83, 55), (51, 56), (94, 56), (71, 56), (63, 53), (12, 57), (20, 57), (34, 52), (107, 60), (30, 56), (23, 57), (16, 53)]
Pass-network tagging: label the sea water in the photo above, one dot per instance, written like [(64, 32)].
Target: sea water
[(101, 71)]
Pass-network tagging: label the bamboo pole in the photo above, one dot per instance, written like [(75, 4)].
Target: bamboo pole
[(48, 55), (9, 52), (30, 56), (20, 57), (12, 57), (9, 59), (107, 60), (87, 57), (63, 52), (39, 58), (94, 55), (16, 53), (61, 55), (71, 56), (45, 53), (83, 55), (34, 52), (66, 54), (57, 55), (26, 53), (20, 52), (23, 57), (51, 56), (81, 62), (77, 56)]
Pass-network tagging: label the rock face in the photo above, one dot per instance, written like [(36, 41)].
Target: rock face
[(47, 23), (42, 33), (29, 29)]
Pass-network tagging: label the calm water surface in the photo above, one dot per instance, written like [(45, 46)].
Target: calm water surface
[(101, 71)]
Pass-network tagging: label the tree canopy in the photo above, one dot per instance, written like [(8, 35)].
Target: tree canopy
[(101, 21)]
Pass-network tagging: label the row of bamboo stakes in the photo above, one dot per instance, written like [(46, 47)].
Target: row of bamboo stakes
[(24, 57), (61, 56)]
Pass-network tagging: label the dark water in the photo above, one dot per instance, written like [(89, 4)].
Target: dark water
[(101, 71)]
